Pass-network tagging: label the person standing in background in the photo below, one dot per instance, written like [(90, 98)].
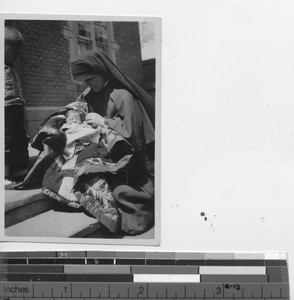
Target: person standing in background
[(16, 140)]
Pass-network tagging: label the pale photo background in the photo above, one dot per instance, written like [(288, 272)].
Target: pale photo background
[(227, 122)]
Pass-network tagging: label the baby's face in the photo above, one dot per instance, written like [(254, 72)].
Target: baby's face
[(73, 117)]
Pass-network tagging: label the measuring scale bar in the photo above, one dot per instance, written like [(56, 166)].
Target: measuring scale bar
[(143, 290)]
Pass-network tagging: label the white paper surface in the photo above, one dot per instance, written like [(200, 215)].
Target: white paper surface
[(227, 122)]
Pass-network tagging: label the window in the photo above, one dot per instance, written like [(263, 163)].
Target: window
[(101, 35), (88, 35), (84, 37)]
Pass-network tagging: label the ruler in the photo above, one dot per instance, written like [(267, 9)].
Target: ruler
[(101, 275)]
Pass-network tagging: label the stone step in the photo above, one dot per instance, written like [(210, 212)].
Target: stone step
[(24, 204), (103, 233), (55, 223), (28, 213)]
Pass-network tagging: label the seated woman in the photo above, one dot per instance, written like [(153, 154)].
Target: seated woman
[(75, 159), (130, 111)]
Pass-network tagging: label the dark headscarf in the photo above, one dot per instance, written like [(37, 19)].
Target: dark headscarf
[(94, 62)]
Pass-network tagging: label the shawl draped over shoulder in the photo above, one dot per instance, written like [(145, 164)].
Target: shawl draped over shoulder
[(94, 62)]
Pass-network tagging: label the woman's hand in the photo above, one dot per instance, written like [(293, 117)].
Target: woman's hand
[(94, 120)]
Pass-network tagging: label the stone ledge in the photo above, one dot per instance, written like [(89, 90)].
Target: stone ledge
[(21, 205), (18, 198), (55, 224)]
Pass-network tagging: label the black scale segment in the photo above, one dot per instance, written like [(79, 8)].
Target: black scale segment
[(70, 261), (190, 262), (36, 277), (159, 262), (100, 261), (16, 261), (277, 263), (237, 262), (42, 261), (130, 261), (99, 277)]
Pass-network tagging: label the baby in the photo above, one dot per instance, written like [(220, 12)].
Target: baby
[(74, 122)]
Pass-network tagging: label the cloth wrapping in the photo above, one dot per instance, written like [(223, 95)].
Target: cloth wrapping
[(102, 174), (81, 161), (77, 182)]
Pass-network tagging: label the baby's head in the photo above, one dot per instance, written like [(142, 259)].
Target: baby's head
[(72, 116), (14, 43)]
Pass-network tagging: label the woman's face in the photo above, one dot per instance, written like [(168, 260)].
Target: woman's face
[(96, 83)]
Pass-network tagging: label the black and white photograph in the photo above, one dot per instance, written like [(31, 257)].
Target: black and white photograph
[(81, 150)]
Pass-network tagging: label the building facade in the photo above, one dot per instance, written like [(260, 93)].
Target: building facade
[(44, 64), (149, 75)]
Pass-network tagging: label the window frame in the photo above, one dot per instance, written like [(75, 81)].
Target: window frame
[(75, 38)]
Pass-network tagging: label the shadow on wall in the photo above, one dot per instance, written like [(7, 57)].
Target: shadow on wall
[(149, 75)]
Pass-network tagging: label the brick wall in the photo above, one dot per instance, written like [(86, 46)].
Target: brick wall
[(128, 55), (44, 63)]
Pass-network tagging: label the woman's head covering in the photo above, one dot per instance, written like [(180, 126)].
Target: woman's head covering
[(94, 62)]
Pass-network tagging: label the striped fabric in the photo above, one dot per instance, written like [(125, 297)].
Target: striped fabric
[(13, 91)]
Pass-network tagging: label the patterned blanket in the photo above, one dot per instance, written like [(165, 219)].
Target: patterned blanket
[(80, 164)]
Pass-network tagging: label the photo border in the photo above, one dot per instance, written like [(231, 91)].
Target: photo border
[(157, 206)]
